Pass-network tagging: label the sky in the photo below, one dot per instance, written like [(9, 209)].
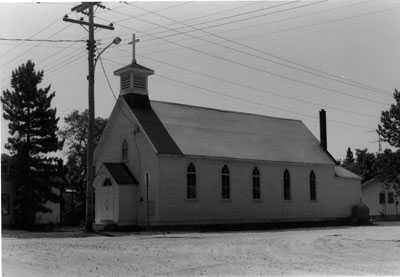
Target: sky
[(273, 58)]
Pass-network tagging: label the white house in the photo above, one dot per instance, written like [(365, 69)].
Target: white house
[(174, 164), (381, 201)]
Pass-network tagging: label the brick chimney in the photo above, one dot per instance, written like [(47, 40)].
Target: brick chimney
[(322, 129)]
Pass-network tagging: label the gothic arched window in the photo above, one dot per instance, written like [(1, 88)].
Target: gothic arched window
[(225, 185), (191, 182), (286, 185), (124, 150), (256, 184), (313, 186)]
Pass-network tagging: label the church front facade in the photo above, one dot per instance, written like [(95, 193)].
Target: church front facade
[(163, 163)]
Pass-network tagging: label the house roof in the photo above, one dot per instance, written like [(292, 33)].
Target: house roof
[(205, 132), (344, 173), (121, 174)]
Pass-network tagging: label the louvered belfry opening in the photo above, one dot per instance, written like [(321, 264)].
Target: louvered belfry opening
[(133, 79), (125, 81), (140, 82)]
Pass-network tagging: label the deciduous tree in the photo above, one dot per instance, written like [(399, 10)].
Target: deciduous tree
[(75, 136), (389, 130)]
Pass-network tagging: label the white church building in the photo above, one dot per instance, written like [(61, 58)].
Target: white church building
[(172, 164)]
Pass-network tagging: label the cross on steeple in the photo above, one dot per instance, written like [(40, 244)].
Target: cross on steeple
[(133, 42)]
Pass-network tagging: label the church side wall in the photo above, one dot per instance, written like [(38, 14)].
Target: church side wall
[(347, 194), (141, 160), (208, 207)]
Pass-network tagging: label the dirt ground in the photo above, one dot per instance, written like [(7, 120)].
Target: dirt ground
[(367, 250)]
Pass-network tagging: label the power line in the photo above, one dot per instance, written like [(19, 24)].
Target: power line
[(43, 40), (347, 81), (37, 44), (207, 15), (248, 18), (112, 91), (191, 19), (252, 102), (281, 64), (256, 89), (48, 26), (261, 70)]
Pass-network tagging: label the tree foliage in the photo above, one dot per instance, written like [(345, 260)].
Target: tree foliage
[(33, 129), (384, 166), (75, 136), (389, 131), (388, 168)]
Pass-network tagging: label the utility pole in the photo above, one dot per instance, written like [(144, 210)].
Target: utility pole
[(87, 9)]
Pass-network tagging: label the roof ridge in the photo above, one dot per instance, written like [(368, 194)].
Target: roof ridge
[(224, 111)]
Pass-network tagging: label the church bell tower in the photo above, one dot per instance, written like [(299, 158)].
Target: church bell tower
[(133, 77)]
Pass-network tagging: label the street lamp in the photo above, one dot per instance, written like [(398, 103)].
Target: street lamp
[(115, 41)]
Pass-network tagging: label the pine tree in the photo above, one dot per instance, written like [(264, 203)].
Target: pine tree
[(349, 160), (33, 129)]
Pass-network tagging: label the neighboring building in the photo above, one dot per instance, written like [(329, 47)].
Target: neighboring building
[(176, 164), (9, 193), (382, 202)]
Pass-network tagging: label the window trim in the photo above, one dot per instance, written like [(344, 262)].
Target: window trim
[(191, 182), (390, 197), (286, 186), (225, 183), (124, 150), (256, 188), (382, 197), (107, 182), (313, 186)]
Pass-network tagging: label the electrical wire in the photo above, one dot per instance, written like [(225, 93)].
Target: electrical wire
[(253, 102), (112, 91), (48, 26), (67, 26), (248, 18), (368, 87), (262, 70), (43, 40), (254, 49), (256, 89)]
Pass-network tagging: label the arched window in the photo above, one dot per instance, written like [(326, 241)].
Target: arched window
[(191, 182), (107, 183), (124, 150), (313, 188), (225, 183), (286, 185), (256, 183)]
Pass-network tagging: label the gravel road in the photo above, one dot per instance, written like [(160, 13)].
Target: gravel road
[(371, 250)]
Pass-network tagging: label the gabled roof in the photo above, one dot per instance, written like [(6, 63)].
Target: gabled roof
[(148, 119), (121, 173), (196, 131), (344, 173)]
